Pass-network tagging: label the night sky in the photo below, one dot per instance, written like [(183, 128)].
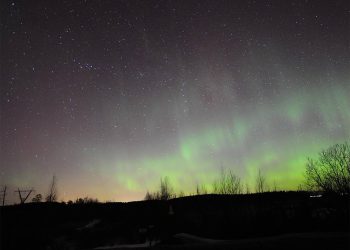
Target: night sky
[(110, 96)]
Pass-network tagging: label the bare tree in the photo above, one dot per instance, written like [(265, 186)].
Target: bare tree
[(274, 186), (166, 192), (260, 183), (149, 196), (228, 183), (331, 171), (52, 195), (201, 189), (247, 189)]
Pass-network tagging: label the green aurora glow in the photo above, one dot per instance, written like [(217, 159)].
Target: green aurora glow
[(118, 94), (258, 140)]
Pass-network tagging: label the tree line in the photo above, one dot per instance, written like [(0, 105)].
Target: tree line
[(328, 173), (227, 183)]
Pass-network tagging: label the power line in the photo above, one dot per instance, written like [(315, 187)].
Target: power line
[(23, 192)]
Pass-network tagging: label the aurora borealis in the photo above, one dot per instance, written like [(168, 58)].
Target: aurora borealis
[(110, 96)]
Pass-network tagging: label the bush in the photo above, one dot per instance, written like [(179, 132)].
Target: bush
[(37, 198), (228, 183)]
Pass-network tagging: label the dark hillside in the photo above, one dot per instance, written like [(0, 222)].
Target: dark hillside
[(81, 226)]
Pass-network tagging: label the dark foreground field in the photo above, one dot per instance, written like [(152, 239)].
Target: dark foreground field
[(299, 241), (279, 220)]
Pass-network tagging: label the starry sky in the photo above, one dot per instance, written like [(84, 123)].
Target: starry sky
[(110, 96)]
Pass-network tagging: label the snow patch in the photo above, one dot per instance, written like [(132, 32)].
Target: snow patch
[(193, 238), (91, 224), (142, 245)]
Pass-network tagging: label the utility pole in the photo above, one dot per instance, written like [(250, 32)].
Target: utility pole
[(20, 192), (3, 196)]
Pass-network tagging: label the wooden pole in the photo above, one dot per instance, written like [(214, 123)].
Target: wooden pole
[(23, 199), (30, 191), (4, 196)]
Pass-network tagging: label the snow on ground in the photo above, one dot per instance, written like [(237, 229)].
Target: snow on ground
[(190, 237), (91, 224), (252, 243), (182, 236), (142, 245)]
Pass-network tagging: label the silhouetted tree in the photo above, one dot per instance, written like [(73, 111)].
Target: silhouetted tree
[(149, 196), (228, 183), (79, 201), (52, 195), (201, 189), (166, 192), (181, 194), (331, 171), (260, 183), (86, 200), (247, 189), (274, 186), (37, 198)]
